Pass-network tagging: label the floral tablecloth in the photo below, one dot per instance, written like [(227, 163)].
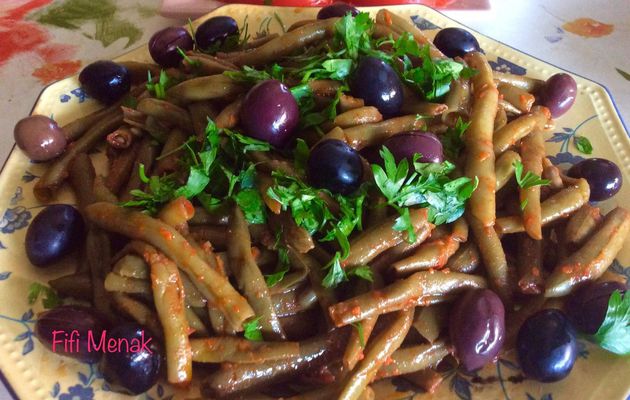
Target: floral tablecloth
[(45, 40)]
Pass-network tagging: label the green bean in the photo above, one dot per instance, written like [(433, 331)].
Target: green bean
[(582, 224), (415, 358), (139, 70), (292, 235), (418, 289), (210, 283), (516, 96), (147, 151), (75, 129), (97, 256), (530, 266), (205, 88), (465, 260), (403, 249), (593, 258), (533, 152), (228, 117), (171, 154), (504, 167), (514, 131), (374, 241), (433, 254), (430, 321), (166, 112), (120, 168), (286, 44), (528, 84), (366, 135), (376, 353), (358, 116), (81, 178), (401, 25), (132, 266), (54, 176), (250, 279), (558, 206), (236, 350), (501, 119), (217, 216), (77, 285), (233, 379), (200, 111), (493, 257), (206, 64), (168, 297), (196, 324), (138, 311), (116, 283)]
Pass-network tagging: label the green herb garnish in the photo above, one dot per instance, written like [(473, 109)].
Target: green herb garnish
[(614, 333), (252, 330), (49, 296), (160, 87), (452, 139), (359, 327), (529, 179)]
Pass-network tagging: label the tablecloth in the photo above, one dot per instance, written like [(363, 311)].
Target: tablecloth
[(44, 40)]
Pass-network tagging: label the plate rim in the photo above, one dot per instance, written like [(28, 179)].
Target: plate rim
[(7, 382)]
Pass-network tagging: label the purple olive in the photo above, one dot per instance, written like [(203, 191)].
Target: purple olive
[(71, 331), (546, 346), (378, 85), (270, 113), (106, 81), (455, 42), (163, 45), (39, 137), (134, 366), (334, 165), (603, 177), (558, 94), (477, 328), (338, 9), (214, 32), (587, 306), (405, 145), (54, 233)]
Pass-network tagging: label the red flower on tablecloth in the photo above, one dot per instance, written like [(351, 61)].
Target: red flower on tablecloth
[(20, 37), (588, 27)]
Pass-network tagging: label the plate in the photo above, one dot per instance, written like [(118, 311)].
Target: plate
[(35, 373)]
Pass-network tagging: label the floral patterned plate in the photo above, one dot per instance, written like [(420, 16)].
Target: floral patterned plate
[(35, 373)]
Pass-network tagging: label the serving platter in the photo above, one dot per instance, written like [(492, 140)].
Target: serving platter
[(32, 372)]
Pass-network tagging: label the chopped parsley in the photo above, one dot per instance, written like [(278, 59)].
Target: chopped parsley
[(160, 87), (359, 327), (49, 296), (529, 179), (252, 330), (423, 185), (452, 141), (614, 333)]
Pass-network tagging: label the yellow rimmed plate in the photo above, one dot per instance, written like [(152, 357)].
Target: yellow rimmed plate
[(35, 373)]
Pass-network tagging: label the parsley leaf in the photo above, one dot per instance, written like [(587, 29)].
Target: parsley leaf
[(452, 139), (49, 295), (614, 333), (251, 330), (426, 185), (583, 144), (359, 327), (363, 272), (433, 78), (160, 87), (300, 155), (282, 267), (160, 190), (335, 274), (530, 179), (192, 63), (353, 33)]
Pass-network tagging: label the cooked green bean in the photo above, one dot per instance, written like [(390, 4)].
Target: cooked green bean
[(236, 350), (97, 256), (233, 379), (77, 285), (493, 256), (433, 254), (582, 224), (197, 326), (560, 205), (147, 152), (168, 297), (138, 311), (206, 64), (504, 167), (403, 293), (166, 111), (205, 88), (501, 119), (530, 268), (171, 154), (292, 235), (132, 266), (376, 354), (478, 140), (120, 168), (250, 279), (358, 116), (366, 135), (139, 70), (430, 321), (528, 84), (465, 259), (139, 226), (81, 178), (374, 241), (75, 129), (54, 176), (412, 359), (593, 258), (400, 25), (200, 111), (286, 44), (533, 152), (516, 96), (457, 101), (229, 116), (116, 283), (514, 131)]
